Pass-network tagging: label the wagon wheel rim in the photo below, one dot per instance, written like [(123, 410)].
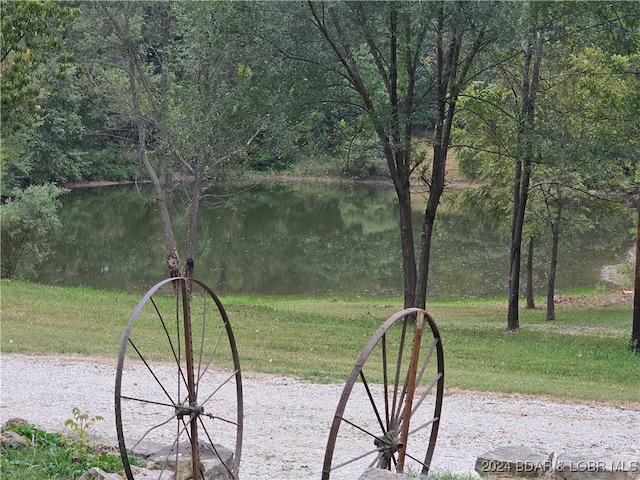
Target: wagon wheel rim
[(406, 355), (193, 401)]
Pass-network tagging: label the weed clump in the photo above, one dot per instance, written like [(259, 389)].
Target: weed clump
[(52, 455)]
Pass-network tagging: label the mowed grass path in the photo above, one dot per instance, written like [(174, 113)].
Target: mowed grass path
[(582, 356)]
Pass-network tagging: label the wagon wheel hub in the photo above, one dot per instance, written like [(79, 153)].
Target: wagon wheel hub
[(388, 444), (188, 411)]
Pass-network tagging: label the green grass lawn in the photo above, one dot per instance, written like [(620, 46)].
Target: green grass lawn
[(583, 355)]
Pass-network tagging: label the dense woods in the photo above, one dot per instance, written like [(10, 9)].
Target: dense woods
[(538, 101)]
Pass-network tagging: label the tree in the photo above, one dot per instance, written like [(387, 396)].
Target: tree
[(566, 126), (496, 147), (172, 75), (524, 154), (220, 102), (55, 150), (30, 40), (147, 89), (25, 223), (621, 35), (588, 145), (385, 60)]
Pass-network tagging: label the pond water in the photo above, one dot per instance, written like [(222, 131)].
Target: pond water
[(297, 238)]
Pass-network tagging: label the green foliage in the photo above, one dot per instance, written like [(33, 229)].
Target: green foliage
[(31, 38), (25, 223), (53, 149), (114, 163), (81, 423), (52, 456), (225, 118), (578, 139), (59, 150), (358, 151), (14, 162), (231, 80), (267, 155)]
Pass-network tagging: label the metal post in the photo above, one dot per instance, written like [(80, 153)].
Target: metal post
[(195, 452), (411, 386)]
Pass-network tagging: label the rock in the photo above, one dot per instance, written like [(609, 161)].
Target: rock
[(146, 474), (19, 422), (98, 474), (210, 457), (379, 474), (215, 470), (146, 449), (515, 461), (12, 438), (603, 467)]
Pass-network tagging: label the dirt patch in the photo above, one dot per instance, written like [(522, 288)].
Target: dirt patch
[(618, 298)]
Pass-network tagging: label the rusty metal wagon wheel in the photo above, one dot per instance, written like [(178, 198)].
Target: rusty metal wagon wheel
[(389, 411), (178, 383)]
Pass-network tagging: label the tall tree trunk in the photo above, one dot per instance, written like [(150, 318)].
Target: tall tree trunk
[(635, 330), (522, 177), (551, 285), (529, 292), (408, 247), (401, 153), (520, 188), (428, 220), (452, 72), (391, 139), (162, 108)]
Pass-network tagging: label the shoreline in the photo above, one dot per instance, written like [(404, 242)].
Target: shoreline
[(250, 177)]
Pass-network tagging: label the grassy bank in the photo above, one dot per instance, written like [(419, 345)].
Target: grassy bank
[(583, 355)]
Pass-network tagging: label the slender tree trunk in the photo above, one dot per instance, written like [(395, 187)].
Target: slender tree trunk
[(635, 331), (452, 71), (400, 155), (396, 154), (394, 131), (529, 293), (162, 110), (173, 260), (522, 177), (194, 215), (551, 286), (428, 220), (513, 321), (406, 239)]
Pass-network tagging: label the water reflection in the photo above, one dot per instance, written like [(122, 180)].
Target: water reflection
[(298, 239)]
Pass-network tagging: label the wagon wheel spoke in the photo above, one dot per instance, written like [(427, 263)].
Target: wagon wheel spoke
[(389, 411), (178, 383)]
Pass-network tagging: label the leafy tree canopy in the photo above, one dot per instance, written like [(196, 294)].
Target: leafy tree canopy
[(30, 39)]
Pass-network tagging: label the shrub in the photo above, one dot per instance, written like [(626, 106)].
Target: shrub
[(25, 223)]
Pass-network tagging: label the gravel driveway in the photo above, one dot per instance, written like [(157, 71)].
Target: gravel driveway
[(287, 421)]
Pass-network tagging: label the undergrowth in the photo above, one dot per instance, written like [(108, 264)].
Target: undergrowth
[(52, 456)]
